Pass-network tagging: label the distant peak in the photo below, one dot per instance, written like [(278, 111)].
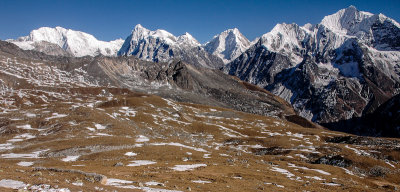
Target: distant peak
[(345, 19), (350, 10), (234, 30), (138, 26), (187, 38), (227, 45), (283, 27), (76, 43), (308, 26), (59, 27), (351, 7), (188, 35)]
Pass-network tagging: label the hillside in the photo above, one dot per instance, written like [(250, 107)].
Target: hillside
[(66, 130)]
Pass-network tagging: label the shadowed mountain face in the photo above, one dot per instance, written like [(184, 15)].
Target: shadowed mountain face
[(383, 122), (342, 68)]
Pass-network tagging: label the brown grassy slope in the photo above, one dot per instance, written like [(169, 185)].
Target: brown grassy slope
[(246, 152)]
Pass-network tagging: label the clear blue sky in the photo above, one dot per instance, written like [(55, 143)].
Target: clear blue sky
[(112, 19)]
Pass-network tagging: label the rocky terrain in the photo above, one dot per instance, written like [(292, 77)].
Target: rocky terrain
[(175, 80), (344, 67), (63, 129)]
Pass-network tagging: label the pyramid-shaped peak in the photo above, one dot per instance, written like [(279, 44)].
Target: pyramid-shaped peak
[(227, 45), (351, 7), (233, 30), (345, 19), (188, 39), (186, 36), (139, 26)]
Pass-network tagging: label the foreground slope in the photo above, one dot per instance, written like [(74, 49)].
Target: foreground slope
[(176, 80), (64, 129)]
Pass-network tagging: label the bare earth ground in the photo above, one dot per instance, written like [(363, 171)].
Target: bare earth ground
[(57, 135)]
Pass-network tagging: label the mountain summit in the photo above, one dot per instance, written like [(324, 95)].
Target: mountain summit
[(75, 43), (228, 45), (376, 30)]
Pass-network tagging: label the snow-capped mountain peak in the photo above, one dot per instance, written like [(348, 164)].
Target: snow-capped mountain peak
[(140, 33), (375, 30), (74, 42), (160, 45), (285, 38), (346, 20), (228, 45), (187, 39)]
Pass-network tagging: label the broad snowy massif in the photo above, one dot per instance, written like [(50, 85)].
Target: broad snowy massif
[(74, 42)]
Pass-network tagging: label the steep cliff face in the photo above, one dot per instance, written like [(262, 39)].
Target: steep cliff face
[(344, 67)]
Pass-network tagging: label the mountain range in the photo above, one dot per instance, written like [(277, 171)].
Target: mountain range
[(99, 124), (159, 112), (344, 67)]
